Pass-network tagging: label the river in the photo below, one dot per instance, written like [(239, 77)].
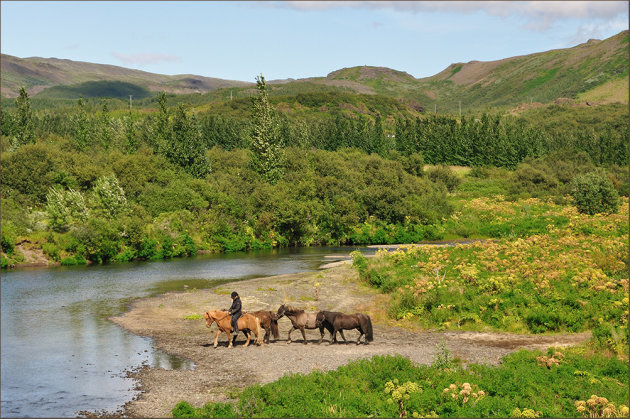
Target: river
[(60, 353)]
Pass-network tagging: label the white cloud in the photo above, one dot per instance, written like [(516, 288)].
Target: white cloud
[(539, 15), (144, 58), (596, 31)]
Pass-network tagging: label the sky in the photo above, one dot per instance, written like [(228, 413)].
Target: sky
[(297, 39)]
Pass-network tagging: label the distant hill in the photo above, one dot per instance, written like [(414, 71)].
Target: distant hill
[(38, 74), (595, 70)]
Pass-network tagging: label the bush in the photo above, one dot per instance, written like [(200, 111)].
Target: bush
[(445, 176), (594, 193), (7, 237), (532, 179), (100, 239)]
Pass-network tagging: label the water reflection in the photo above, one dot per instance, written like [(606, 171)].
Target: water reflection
[(170, 362)]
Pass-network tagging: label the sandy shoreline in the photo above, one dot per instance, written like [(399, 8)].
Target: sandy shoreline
[(218, 371)]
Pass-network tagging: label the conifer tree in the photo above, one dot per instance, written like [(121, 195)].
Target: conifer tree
[(81, 127), (185, 147), (266, 154), (105, 130), (24, 125), (161, 128)]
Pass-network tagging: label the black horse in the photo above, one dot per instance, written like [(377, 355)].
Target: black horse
[(340, 321), (325, 320)]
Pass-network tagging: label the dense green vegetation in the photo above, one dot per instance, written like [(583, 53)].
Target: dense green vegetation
[(185, 179), (549, 267), (526, 384), (323, 198)]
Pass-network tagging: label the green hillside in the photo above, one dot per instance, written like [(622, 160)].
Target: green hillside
[(97, 89), (38, 74), (541, 77)]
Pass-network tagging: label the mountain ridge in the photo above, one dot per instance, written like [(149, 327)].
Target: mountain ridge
[(541, 76)]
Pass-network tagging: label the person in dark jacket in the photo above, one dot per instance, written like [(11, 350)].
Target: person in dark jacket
[(235, 311)]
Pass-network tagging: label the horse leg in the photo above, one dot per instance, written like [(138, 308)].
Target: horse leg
[(334, 337), (361, 334), (229, 333), (303, 335), (321, 330), (289, 337), (341, 333), (248, 338), (266, 338), (216, 338)]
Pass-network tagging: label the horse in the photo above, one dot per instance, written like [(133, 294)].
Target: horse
[(325, 319), (359, 321), (300, 319), (269, 322), (246, 323)]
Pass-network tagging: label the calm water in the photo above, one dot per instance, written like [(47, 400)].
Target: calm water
[(60, 354)]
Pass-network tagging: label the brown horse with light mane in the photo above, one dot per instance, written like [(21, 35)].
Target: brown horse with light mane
[(269, 322), (246, 323), (300, 319)]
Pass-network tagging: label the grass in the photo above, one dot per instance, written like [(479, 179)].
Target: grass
[(612, 91), (540, 80), (358, 389), (549, 269)]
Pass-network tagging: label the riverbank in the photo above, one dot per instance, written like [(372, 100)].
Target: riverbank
[(219, 371)]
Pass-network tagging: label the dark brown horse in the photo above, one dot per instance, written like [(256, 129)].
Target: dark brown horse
[(300, 319), (359, 321), (325, 319), (269, 322)]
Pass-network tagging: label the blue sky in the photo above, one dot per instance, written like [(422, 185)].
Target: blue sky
[(239, 40)]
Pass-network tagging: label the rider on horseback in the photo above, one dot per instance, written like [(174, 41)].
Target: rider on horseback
[(235, 310)]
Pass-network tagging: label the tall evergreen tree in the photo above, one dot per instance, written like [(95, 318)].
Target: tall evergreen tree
[(161, 131), (105, 130), (266, 154), (24, 131), (131, 143), (185, 146), (81, 127)]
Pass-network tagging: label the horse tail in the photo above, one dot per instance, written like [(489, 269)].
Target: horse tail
[(274, 328), (258, 331), (368, 329)]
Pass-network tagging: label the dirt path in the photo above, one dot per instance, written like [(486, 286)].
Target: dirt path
[(217, 371)]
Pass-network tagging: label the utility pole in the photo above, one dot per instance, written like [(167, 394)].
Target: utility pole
[(435, 108), (130, 96), (230, 95)]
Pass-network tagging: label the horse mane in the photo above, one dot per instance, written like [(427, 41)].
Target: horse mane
[(292, 309)]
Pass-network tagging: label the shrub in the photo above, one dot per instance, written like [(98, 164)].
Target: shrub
[(445, 176), (100, 239), (533, 180), (65, 208), (7, 237), (108, 198), (594, 193)]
